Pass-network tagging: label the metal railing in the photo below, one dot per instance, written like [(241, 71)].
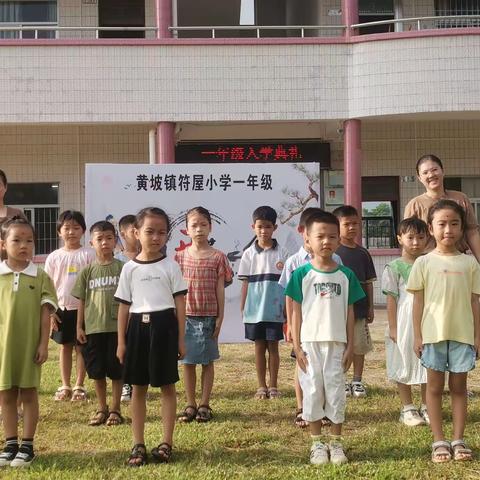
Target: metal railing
[(301, 29), (378, 232), (422, 23)]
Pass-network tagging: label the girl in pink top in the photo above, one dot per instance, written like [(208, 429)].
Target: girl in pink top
[(205, 270), (63, 266)]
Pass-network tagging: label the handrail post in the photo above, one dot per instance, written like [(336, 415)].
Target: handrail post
[(350, 16)]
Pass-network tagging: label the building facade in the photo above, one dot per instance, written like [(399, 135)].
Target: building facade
[(128, 81)]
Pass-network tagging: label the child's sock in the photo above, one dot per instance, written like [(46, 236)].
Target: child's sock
[(317, 439), (357, 378), (410, 406), (11, 444), (335, 438), (27, 446)]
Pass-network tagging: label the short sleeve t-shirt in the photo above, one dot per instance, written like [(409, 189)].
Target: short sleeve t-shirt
[(359, 260), (201, 275), (261, 269), (96, 285), (448, 283), (325, 297), (150, 286), (419, 206), (63, 267)]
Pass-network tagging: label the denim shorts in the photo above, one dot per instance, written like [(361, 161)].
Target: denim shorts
[(201, 348), (448, 355)]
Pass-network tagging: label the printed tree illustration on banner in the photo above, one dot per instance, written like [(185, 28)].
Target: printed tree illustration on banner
[(297, 201)]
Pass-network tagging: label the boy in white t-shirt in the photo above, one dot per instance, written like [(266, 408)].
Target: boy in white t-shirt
[(323, 294)]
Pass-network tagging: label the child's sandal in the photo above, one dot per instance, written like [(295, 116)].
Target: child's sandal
[(79, 394), (98, 418), (138, 456), (261, 394), (63, 393), (114, 418), (162, 453), (273, 393), (460, 451), (204, 414), (188, 415), (299, 421), (441, 452)]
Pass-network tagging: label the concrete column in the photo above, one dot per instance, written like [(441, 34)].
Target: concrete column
[(352, 156), (165, 142), (163, 14), (350, 16)]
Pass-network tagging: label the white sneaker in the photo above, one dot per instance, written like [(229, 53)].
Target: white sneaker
[(23, 459), (337, 455), (319, 454), (411, 418), (424, 414), (126, 393), (348, 389), (358, 390)]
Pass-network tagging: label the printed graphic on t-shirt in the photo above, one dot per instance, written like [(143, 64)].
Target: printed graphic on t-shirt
[(327, 289), (72, 270), (102, 283)]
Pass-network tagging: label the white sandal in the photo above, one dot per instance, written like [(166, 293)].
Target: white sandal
[(442, 456), (63, 393), (460, 451), (79, 394)]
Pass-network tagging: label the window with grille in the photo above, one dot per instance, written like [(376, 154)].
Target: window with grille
[(456, 8), (39, 201)]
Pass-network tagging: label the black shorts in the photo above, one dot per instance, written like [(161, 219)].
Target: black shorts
[(152, 349), (100, 356), (67, 329), (269, 331)]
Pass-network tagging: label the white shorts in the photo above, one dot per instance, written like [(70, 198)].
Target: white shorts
[(323, 384)]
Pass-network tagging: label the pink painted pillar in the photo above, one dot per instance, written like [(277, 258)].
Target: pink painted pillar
[(352, 159), (163, 14), (350, 16), (165, 142)]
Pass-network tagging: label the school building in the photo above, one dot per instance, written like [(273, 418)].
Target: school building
[(370, 85)]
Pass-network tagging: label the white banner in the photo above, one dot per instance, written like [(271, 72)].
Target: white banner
[(231, 192)]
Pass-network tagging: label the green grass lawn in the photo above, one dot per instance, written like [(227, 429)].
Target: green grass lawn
[(248, 438)]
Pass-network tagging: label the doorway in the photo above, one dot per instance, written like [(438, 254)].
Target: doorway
[(121, 13)]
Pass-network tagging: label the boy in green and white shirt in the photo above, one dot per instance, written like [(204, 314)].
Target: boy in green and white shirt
[(97, 322), (323, 295)]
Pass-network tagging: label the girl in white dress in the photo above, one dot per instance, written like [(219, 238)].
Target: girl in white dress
[(403, 366)]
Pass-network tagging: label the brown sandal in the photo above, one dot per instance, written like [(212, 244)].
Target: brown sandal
[(204, 414), (114, 418), (188, 415), (139, 452), (162, 453), (99, 418)]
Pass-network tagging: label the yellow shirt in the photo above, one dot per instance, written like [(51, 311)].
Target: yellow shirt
[(448, 283)]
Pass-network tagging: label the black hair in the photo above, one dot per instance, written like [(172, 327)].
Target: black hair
[(151, 212), (322, 217), (3, 177), (345, 211), (447, 205), (103, 226), (201, 211), (13, 222), (412, 224), (306, 214), (426, 158), (126, 220), (265, 213), (69, 215)]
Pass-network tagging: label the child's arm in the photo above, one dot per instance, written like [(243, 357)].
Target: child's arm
[(347, 358), (220, 305), (81, 337), (243, 295), (371, 310), (289, 312), (123, 311), (418, 303), (42, 350), (296, 327), (476, 322), (180, 311), (392, 317)]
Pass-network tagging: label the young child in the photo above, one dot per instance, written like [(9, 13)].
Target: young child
[(296, 260), (152, 294), (359, 260), (27, 296), (403, 366), (63, 266), (126, 226), (97, 322), (206, 271), (262, 300), (322, 293), (446, 321)]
